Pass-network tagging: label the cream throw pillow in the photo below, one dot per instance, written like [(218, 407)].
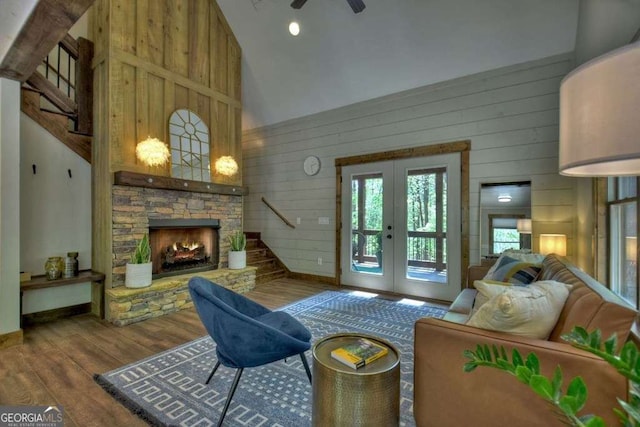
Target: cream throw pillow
[(486, 290), (530, 311)]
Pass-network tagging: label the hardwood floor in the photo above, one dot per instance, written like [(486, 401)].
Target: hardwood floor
[(56, 363)]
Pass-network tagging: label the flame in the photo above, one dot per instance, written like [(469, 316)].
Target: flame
[(186, 246)]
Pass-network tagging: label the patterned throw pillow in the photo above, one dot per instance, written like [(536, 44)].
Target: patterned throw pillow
[(514, 271), (532, 258)]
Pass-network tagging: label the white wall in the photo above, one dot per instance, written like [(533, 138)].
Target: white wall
[(55, 213), (9, 206), (509, 114), (604, 25)]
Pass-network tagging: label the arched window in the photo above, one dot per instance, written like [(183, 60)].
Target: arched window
[(190, 153)]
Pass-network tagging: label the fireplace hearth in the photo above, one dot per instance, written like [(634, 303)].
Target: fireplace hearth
[(181, 246)]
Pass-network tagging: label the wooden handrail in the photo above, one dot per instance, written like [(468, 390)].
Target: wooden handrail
[(275, 211)]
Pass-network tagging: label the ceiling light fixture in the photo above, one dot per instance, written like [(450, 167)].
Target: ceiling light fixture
[(504, 198), (599, 124), (294, 28)]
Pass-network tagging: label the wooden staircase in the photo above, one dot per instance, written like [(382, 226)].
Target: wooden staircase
[(259, 255), (65, 114), (56, 123)]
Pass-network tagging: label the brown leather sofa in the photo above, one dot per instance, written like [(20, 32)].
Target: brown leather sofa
[(444, 395)]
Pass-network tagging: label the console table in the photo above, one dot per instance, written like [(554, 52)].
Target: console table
[(84, 276)]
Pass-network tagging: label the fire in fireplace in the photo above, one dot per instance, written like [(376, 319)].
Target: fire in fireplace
[(181, 246)]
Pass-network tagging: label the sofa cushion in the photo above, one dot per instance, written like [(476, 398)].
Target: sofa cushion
[(486, 290), (530, 311), (514, 271), (590, 304)]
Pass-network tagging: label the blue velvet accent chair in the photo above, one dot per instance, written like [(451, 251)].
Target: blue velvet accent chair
[(246, 333)]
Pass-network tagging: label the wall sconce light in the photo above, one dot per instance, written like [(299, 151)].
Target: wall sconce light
[(524, 226), (553, 244), (152, 152), (631, 249), (226, 165), (599, 124), (504, 198)]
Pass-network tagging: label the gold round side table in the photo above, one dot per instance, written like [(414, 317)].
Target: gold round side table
[(343, 396)]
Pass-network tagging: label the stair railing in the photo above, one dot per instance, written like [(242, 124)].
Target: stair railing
[(275, 211), (65, 79)]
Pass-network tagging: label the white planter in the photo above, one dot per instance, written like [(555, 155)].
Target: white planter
[(237, 260), (138, 275)]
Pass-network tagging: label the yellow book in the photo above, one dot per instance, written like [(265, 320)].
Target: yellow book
[(359, 353)]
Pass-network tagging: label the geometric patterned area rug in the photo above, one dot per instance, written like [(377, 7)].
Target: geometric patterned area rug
[(168, 389)]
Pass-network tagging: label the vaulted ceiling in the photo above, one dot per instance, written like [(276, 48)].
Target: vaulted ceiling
[(341, 58)]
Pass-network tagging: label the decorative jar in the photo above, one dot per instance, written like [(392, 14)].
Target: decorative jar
[(71, 265), (53, 268)]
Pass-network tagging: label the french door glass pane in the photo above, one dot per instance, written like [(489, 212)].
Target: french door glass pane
[(366, 223), (426, 225)]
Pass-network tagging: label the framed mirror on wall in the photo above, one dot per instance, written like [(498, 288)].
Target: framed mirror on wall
[(504, 211), (190, 146)]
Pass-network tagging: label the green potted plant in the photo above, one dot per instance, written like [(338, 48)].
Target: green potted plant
[(138, 269), (237, 252), (569, 403)]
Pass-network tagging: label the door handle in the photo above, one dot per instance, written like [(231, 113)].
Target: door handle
[(388, 236), (388, 227)]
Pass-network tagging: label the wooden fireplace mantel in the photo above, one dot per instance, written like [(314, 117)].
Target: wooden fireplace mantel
[(134, 179)]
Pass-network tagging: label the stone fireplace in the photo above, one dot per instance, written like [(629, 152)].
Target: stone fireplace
[(140, 210), (188, 234), (180, 246)]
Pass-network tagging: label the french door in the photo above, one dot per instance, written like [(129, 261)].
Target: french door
[(401, 226)]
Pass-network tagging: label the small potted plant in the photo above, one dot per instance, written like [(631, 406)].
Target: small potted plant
[(138, 273), (237, 253)]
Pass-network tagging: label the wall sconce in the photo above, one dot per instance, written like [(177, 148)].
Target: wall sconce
[(226, 165), (631, 249), (524, 226), (152, 152), (599, 124), (553, 244), (504, 198)]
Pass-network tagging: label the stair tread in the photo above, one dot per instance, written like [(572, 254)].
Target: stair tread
[(270, 273)]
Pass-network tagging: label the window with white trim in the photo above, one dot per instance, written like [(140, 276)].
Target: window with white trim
[(622, 204)]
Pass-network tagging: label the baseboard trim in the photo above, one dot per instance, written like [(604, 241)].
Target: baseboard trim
[(56, 313), (10, 339), (312, 278)]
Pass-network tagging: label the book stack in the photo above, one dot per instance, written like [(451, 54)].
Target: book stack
[(359, 353)]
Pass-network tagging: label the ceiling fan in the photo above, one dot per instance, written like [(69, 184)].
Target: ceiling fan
[(357, 5)]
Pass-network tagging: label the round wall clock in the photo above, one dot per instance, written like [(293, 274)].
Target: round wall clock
[(311, 165)]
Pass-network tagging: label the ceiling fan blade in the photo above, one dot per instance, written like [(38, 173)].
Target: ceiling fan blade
[(297, 4), (357, 5)]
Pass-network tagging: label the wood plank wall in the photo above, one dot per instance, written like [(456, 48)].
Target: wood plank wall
[(510, 115), (151, 58)]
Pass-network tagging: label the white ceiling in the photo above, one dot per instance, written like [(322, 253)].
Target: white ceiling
[(341, 58), (13, 16)]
